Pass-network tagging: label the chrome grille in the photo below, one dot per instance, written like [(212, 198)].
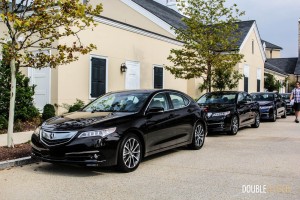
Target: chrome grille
[(52, 138)]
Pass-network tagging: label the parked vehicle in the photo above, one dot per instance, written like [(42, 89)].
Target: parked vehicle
[(286, 98), (271, 105), (120, 128), (229, 110)]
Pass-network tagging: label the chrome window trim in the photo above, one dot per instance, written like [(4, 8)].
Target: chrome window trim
[(172, 104)]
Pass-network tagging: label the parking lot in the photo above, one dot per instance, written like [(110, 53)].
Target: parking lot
[(258, 163)]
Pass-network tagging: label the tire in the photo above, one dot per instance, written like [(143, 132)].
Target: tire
[(274, 117), (130, 153), (257, 121), (284, 114), (234, 127), (198, 137)]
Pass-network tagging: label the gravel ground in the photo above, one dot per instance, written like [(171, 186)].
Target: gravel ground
[(267, 157)]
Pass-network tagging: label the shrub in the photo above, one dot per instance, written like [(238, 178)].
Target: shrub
[(48, 112), (24, 108), (3, 122), (76, 106)]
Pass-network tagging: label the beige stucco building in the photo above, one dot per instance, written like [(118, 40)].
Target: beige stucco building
[(137, 34)]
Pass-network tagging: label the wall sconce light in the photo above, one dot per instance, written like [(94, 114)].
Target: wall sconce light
[(123, 67)]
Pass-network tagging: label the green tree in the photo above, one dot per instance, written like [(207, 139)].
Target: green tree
[(25, 110), (32, 26), (271, 83), (209, 44)]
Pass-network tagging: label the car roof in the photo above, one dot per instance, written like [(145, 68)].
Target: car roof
[(264, 93), (224, 92), (148, 91)]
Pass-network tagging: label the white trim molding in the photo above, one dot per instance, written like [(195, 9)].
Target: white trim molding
[(136, 30)]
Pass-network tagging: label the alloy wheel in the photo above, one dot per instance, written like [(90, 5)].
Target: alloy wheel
[(235, 125), (131, 153), (199, 135)]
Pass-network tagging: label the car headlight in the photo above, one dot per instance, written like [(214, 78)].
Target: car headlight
[(102, 133), (218, 114), (37, 131), (266, 107)]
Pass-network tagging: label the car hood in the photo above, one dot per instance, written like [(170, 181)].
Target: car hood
[(265, 103), (217, 107), (78, 120)]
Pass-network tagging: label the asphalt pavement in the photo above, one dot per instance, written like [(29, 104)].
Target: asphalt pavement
[(260, 163)]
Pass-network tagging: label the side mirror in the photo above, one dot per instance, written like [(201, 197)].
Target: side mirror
[(155, 110)]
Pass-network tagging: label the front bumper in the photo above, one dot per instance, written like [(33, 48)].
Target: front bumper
[(266, 113), (219, 124), (85, 151)]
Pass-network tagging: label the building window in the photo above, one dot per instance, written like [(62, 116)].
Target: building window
[(252, 46), (258, 79), (158, 78), (98, 76), (246, 77)]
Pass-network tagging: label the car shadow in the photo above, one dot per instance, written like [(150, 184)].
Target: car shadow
[(222, 134), (71, 170), (84, 171)]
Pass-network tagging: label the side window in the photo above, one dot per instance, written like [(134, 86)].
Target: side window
[(240, 97), (178, 101), (159, 100), (248, 97)]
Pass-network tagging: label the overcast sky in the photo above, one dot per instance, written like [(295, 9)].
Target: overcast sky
[(277, 21)]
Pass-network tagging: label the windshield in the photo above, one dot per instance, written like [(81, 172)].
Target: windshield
[(118, 102), (286, 96), (218, 98), (263, 97)]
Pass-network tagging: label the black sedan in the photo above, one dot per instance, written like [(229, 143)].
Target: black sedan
[(271, 105), (286, 98), (229, 110), (120, 128)]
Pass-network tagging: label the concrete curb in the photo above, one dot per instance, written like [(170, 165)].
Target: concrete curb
[(17, 162)]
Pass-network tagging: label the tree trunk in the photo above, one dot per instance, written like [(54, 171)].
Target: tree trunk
[(12, 103), (209, 77)]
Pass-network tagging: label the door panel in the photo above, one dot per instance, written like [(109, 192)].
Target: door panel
[(41, 79), (132, 78)]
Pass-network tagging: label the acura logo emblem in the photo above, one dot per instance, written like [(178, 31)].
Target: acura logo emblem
[(52, 136)]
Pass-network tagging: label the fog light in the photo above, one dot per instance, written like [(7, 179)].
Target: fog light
[(96, 156), (98, 143)]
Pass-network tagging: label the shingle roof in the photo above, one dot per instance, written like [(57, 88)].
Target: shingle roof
[(270, 45), (297, 69), (173, 18), (165, 13), (274, 68), (287, 65)]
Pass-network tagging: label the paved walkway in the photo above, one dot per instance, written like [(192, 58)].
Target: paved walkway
[(18, 138)]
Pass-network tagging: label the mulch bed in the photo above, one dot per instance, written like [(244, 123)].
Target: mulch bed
[(19, 151)]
